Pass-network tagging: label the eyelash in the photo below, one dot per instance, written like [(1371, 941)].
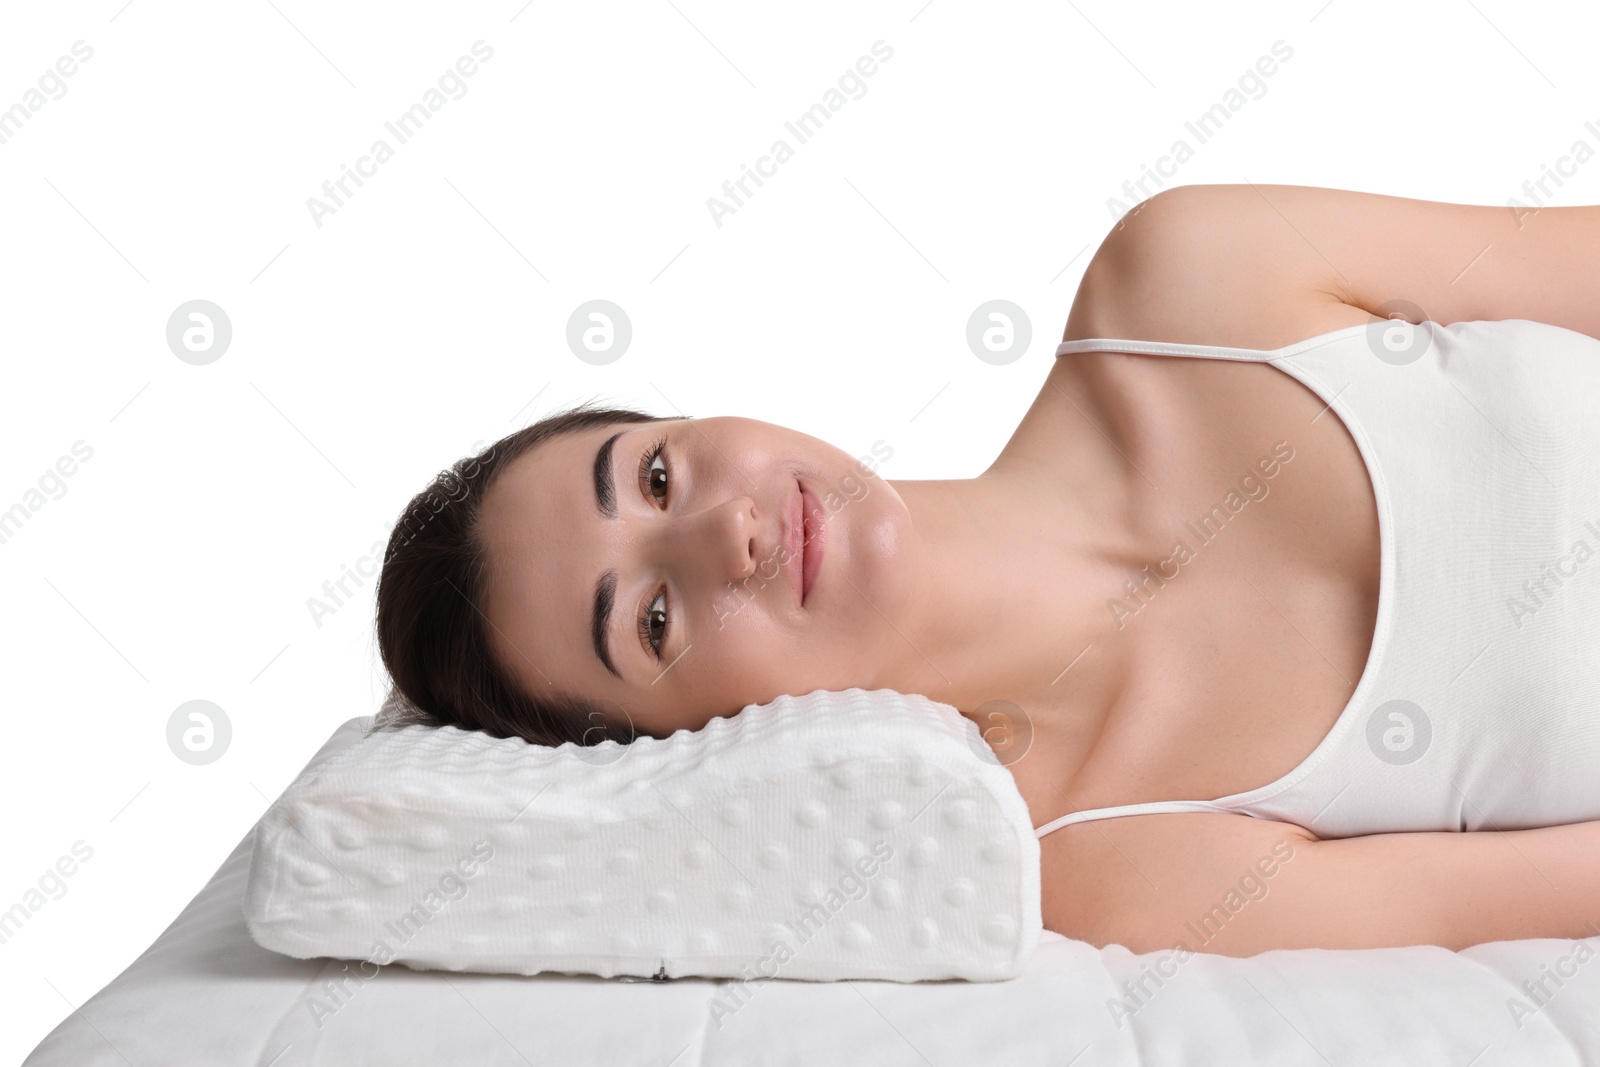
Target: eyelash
[(646, 462)]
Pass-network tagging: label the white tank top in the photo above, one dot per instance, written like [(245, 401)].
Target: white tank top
[(1479, 705)]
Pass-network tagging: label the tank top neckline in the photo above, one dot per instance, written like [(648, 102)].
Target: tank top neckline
[(1386, 551)]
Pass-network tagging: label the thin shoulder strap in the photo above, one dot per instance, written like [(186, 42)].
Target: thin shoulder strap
[(1174, 348), (1163, 348), (1153, 807)]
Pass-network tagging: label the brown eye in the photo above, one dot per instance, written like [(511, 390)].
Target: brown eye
[(653, 625), (658, 478), (654, 471)]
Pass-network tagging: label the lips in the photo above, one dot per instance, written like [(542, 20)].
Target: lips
[(816, 536), (804, 535), (793, 538)]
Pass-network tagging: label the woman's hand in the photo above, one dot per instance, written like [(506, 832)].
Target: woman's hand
[(1235, 885), (1260, 266)]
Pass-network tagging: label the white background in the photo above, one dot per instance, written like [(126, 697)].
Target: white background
[(428, 314)]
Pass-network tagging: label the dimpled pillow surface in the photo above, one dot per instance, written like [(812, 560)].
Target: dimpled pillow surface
[(840, 834)]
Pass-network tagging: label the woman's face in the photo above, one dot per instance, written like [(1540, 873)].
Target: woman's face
[(693, 536)]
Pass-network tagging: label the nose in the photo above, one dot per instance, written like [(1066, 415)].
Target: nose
[(720, 543)]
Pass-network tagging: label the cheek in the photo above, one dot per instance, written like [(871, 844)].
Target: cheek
[(744, 659)]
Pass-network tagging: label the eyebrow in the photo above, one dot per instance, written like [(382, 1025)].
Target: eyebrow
[(605, 590), (605, 495)]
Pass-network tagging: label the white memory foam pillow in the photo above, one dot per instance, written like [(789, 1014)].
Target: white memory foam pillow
[(840, 834)]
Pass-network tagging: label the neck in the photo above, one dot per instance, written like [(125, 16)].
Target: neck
[(1013, 571)]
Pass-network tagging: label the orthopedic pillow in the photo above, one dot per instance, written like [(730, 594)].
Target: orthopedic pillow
[(840, 834)]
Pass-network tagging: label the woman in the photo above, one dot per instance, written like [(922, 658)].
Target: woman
[(1326, 568)]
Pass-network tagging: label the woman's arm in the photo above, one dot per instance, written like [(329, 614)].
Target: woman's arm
[(1256, 263), (1236, 886)]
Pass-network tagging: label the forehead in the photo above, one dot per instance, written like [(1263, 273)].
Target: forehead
[(552, 476), (547, 544)]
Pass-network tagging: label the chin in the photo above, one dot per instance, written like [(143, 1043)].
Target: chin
[(868, 543)]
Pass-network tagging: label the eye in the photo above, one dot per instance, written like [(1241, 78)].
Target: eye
[(654, 474), (653, 625), (654, 470)]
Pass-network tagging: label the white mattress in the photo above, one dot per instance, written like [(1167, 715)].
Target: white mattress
[(205, 994)]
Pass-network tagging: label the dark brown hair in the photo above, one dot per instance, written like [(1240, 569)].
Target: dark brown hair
[(432, 633)]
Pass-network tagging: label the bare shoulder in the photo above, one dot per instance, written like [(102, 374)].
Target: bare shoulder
[(1219, 265), (1152, 882), (1207, 265), (1242, 264)]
